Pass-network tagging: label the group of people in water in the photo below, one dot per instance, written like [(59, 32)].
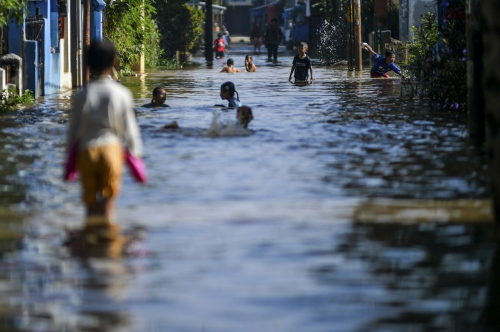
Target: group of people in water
[(102, 117)]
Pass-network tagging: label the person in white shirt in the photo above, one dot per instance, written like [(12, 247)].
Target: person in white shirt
[(102, 117)]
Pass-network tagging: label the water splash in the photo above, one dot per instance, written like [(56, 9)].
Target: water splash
[(222, 126), (332, 38)]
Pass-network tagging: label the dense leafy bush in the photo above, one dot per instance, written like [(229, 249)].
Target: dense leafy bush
[(181, 27), (439, 57), (130, 26)]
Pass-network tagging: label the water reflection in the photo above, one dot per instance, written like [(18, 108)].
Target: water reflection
[(275, 231)]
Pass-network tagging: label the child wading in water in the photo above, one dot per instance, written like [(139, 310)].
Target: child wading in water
[(301, 65), (249, 65), (220, 47), (101, 117), (382, 65), (159, 97), (230, 67), (227, 92)]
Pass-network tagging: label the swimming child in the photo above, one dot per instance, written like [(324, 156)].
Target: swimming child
[(230, 67), (159, 97), (301, 65), (382, 65), (227, 91), (102, 117), (220, 47), (249, 65), (244, 115)]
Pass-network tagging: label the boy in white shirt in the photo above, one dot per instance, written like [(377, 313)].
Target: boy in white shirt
[(101, 118)]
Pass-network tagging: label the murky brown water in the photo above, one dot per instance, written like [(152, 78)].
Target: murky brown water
[(347, 209)]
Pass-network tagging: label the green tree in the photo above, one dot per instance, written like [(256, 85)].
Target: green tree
[(130, 26), (180, 26), (12, 9)]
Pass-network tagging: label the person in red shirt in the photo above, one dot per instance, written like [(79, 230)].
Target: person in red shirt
[(220, 47)]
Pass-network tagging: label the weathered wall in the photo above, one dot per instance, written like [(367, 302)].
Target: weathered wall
[(491, 85), (409, 15)]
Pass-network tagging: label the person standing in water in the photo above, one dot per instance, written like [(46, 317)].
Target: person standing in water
[(302, 66), (273, 39), (256, 37), (101, 118)]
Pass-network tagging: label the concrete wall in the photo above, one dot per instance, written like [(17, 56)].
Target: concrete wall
[(491, 86), (409, 15), (55, 55)]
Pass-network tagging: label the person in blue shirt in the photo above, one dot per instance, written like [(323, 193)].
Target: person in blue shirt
[(383, 65)]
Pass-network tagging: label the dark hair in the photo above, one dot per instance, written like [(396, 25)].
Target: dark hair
[(389, 53), (156, 92), (101, 56), (230, 62), (274, 20), (229, 87), (304, 44), (248, 56), (219, 34)]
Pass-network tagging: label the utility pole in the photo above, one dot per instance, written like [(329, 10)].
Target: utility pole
[(86, 40), (209, 54), (350, 35), (357, 35), (475, 97)]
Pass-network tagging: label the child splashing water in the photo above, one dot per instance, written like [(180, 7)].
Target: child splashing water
[(227, 92), (219, 127)]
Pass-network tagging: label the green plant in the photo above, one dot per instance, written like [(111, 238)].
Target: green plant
[(170, 63), (180, 26), (439, 57), (12, 9), (10, 99), (130, 26)]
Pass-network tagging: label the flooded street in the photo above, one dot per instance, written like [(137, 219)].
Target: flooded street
[(347, 209)]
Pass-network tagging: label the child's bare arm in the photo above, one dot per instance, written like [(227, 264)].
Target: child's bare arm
[(368, 48), (291, 72), (312, 75), (224, 70)]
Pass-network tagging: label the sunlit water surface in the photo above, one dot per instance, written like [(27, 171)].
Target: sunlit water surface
[(347, 209)]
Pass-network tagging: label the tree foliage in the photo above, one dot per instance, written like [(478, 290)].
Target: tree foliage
[(12, 9), (130, 26), (440, 57), (181, 27)]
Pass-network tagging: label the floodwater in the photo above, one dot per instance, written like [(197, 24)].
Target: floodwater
[(347, 208)]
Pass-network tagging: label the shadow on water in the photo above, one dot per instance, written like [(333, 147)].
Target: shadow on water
[(347, 209)]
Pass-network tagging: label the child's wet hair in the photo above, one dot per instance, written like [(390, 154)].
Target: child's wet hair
[(229, 87), (389, 53), (248, 56), (244, 115), (157, 90), (230, 62), (101, 56), (304, 44)]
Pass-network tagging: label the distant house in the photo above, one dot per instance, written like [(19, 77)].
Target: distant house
[(50, 43)]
